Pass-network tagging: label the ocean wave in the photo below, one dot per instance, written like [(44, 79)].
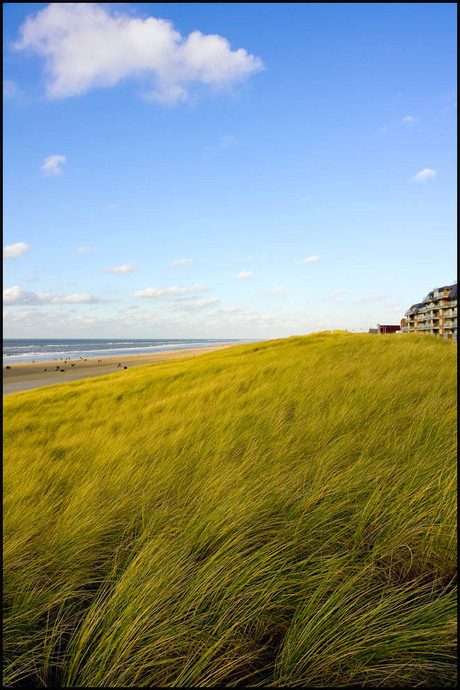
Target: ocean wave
[(12, 355)]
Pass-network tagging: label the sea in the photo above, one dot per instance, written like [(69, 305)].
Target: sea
[(45, 350)]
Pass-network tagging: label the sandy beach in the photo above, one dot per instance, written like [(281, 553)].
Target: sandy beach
[(24, 377)]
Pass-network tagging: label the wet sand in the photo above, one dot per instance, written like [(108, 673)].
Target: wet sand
[(24, 377)]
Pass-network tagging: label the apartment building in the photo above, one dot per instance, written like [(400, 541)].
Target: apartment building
[(435, 314)]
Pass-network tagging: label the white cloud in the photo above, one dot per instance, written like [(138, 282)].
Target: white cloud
[(194, 305), (309, 260), (409, 119), (225, 143), (376, 298), (336, 293), (124, 268), (173, 290), (272, 291), (87, 47), (16, 295), (52, 166), (181, 262), (39, 320), (423, 175), (241, 275), (11, 91), (83, 250), (12, 251), (238, 310)]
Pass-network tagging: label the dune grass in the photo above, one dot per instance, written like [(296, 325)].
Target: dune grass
[(277, 514)]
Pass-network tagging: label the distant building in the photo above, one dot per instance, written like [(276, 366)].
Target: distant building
[(374, 331), (381, 328), (435, 314)]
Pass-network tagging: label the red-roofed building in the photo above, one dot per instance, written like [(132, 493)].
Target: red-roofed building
[(388, 329)]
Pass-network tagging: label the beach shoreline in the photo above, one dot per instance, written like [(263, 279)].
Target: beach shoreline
[(30, 375)]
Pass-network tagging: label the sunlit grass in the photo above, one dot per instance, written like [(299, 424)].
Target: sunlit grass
[(277, 514)]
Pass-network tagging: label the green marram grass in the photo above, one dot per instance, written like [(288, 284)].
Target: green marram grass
[(274, 514)]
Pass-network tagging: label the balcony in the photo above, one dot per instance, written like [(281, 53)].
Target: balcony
[(429, 317), (406, 329)]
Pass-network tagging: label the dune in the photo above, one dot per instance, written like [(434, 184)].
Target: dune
[(280, 514)]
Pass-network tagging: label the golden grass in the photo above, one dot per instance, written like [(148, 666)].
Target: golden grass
[(277, 514)]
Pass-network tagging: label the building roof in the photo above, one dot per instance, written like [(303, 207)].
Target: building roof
[(430, 297)]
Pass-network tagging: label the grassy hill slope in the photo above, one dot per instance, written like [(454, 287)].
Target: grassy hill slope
[(278, 514)]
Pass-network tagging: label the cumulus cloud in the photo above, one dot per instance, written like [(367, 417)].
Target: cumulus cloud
[(336, 293), (238, 310), (12, 251), (242, 275), (181, 262), (173, 290), (409, 119), (309, 260), (87, 46), (16, 295), (83, 250), (124, 268), (376, 298), (272, 291), (52, 166), (194, 305), (423, 175)]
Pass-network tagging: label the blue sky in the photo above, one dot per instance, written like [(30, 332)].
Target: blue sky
[(236, 170)]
